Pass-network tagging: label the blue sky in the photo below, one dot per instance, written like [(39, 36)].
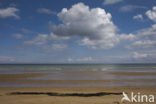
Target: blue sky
[(77, 31)]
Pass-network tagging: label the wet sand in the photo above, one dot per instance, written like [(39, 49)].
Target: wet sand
[(133, 73), (26, 79), (109, 95), (69, 95)]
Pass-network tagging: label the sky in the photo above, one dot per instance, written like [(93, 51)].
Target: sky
[(77, 31)]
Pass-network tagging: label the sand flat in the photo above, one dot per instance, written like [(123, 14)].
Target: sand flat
[(5, 98), (26, 79), (71, 95)]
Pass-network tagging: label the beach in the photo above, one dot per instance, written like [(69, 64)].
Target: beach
[(111, 95), (22, 89)]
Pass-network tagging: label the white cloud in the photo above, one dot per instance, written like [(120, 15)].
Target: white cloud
[(152, 14), (9, 12), (108, 2), (137, 55), (127, 37), (128, 8), (54, 37), (44, 41), (82, 59), (58, 46), (139, 17), (18, 36), (145, 38), (142, 57), (70, 60), (98, 44), (45, 11), (85, 59), (93, 26), (148, 33), (40, 39), (142, 44)]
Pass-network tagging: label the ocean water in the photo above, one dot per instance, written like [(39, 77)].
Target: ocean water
[(48, 68), (81, 72)]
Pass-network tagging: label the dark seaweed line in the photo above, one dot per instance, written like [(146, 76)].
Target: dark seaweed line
[(65, 94)]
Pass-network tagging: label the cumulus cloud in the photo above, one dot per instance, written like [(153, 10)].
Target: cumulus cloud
[(128, 8), (45, 11), (93, 26), (152, 14), (9, 12), (139, 17), (108, 2)]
